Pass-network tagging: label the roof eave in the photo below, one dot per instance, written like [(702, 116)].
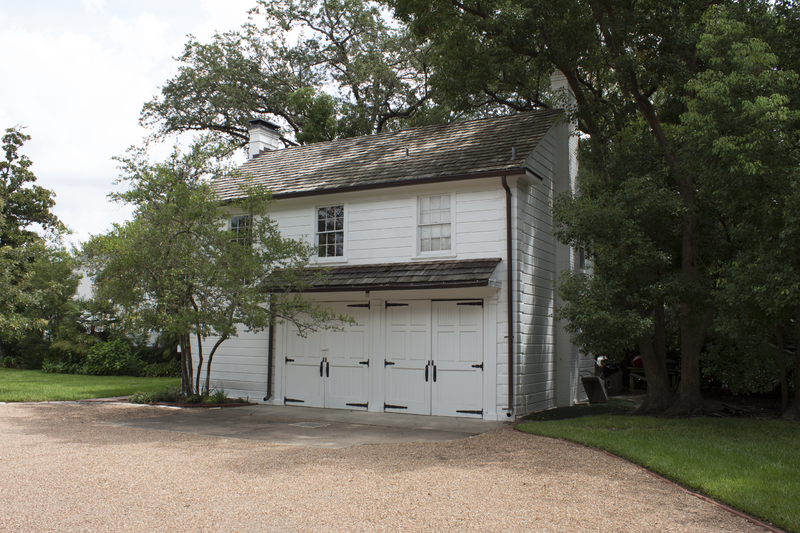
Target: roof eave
[(516, 171)]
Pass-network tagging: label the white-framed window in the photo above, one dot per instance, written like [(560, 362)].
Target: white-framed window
[(434, 221), (330, 231), (241, 228)]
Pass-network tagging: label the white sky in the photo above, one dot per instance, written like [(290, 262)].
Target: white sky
[(77, 72)]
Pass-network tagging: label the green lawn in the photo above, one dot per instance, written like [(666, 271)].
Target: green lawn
[(751, 465), (34, 386)]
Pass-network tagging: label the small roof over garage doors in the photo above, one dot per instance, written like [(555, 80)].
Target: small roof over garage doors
[(417, 275)]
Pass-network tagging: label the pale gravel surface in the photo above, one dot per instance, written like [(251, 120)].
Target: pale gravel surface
[(63, 469)]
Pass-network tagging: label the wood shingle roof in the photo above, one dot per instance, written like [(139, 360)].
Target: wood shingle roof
[(475, 147), (417, 275)]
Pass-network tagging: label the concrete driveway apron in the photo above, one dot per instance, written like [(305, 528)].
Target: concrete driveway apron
[(323, 428)]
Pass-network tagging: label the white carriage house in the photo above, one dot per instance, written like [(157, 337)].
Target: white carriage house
[(439, 244)]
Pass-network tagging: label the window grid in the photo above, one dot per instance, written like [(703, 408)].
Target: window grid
[(434, 223), (241, 229), (330, 231)]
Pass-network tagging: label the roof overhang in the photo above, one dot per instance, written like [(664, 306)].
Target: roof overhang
[(407, 276), (405, 183)]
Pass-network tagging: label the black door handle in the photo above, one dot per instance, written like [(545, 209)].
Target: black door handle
[(434, 373), (321, 363), (327, 369), (426, 373)]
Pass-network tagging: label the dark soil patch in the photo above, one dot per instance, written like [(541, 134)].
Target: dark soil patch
[(756, 406)]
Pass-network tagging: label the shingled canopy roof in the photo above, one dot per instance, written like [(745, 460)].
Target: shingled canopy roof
[(421, 275), (461, 149)]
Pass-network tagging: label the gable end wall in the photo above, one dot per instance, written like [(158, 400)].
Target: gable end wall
[(535, 273)]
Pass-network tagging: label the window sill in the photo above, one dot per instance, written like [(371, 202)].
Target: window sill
[(328, 261), (428, 256)]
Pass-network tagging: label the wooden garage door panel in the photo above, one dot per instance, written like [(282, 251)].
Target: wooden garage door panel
[(458, 357), (347, 387), (407, 392), (339, 353), (303, 385), (408, 348)]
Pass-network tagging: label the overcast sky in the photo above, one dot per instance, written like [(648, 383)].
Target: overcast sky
[(77, 72)]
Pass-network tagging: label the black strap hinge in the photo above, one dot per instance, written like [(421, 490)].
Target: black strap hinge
[(466, 412), (478, 366), (364, 405), (289, 360), (286, 400), (364, 362), (387, 305), (359, 305), (478, 303), (388, 406), (387, 363)]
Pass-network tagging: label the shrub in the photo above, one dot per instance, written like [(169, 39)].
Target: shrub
[(112, 358), (168, 395), (64, 363), (219, 396), (167, 369)]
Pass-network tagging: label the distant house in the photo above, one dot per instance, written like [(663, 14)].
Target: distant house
[(439, 243)]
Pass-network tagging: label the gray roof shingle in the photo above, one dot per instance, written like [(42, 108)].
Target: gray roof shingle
[(459, 148), (454, 273)]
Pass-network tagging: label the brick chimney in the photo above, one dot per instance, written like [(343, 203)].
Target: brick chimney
[(264, 135)]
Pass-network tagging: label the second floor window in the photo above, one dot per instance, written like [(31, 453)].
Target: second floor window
[(330, 231), (434, 223), (240, 228)]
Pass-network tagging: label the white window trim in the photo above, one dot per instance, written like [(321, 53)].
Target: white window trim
[(451, 253), (314, 240)]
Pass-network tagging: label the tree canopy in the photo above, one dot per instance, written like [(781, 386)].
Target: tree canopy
[(36, 275), (178, 268), (325, 69), (685, 110)]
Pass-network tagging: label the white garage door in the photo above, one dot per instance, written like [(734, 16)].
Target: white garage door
[(330, 368), (434, 358)]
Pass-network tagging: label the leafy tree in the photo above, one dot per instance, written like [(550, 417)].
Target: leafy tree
[(326, 68), (628, 65), (36, 278), (175, 269), (743, 120), (21, 203)]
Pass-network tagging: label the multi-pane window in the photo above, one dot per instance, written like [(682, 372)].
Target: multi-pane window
[(434, 223), (330, 231), (241, 229)]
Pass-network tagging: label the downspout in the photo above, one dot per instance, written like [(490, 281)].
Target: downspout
[(270, 352), (509, 275)]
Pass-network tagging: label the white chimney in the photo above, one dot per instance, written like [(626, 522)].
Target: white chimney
[(562, 93), (264, 135)]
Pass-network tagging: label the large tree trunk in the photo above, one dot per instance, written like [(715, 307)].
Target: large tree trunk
[(784, 369), (186, 365), (211, 358), (695, 316), (793, 412), (654, 356), (199, 364)]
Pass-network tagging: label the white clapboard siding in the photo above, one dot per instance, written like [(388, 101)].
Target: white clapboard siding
[(239, 365), (535, 273)]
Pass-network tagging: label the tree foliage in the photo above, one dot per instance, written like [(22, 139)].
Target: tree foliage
[(22, 204), (36, 277), (327, 69), (683, 108), (176, 269)]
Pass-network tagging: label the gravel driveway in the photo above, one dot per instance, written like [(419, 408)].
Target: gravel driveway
[(64, 468)]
